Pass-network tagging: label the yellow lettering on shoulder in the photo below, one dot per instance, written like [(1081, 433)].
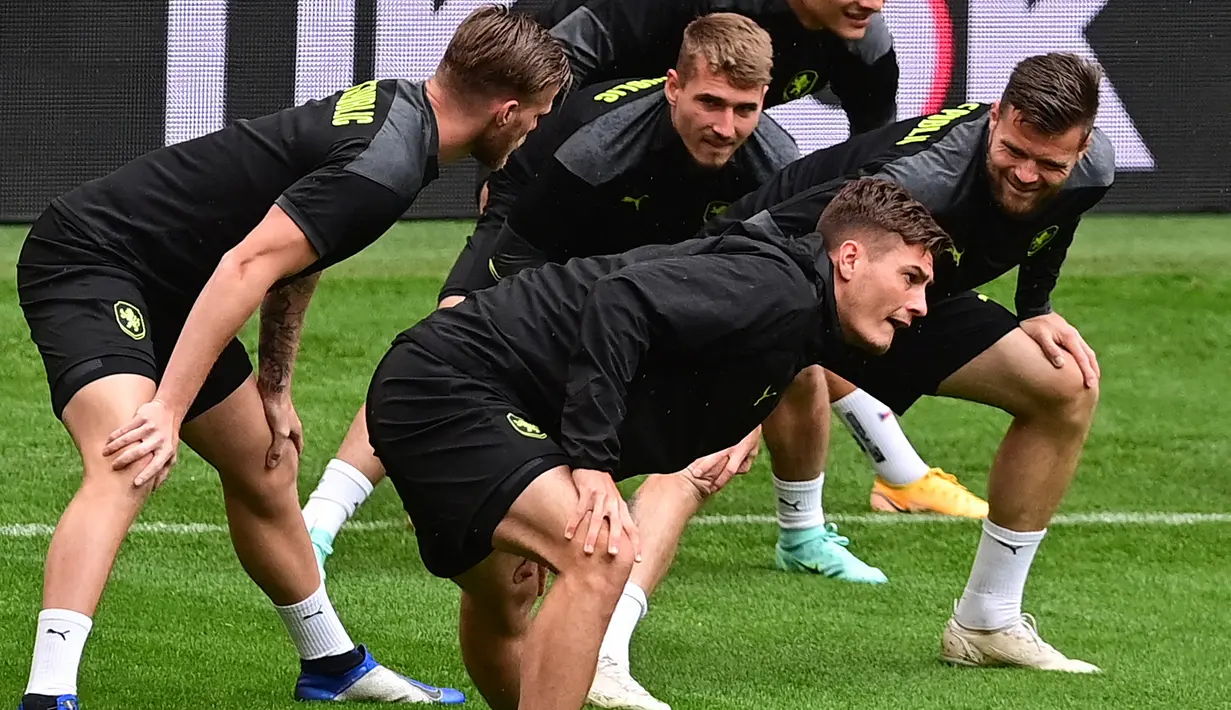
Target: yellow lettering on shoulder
[(619, 91), (356, 105), (933, 123)]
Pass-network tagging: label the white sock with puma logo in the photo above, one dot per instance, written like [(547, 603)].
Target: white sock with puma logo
[(57, 652)]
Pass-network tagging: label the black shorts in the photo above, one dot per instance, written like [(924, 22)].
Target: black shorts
[(955, 331), (91, 318), (459, 453)]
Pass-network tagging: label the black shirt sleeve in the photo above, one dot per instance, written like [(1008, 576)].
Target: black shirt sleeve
[(692, 303), (339, 211), (799, 193), (1039, 272), (473, 269), (372, 150)]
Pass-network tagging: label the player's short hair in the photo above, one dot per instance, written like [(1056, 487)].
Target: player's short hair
[(733, 46), (1054, 92), (496, 52), (883, 213)]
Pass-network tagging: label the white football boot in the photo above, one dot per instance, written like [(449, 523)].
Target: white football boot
[(614, 687), (1018, 644)]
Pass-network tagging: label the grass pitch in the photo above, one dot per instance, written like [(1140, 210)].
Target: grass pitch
[(1145, 595)]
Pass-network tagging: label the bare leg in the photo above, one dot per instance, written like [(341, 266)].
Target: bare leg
[(560, 648), (90, 532), (262, 504), (661, 507), (838, 387), (797, 435), (1052, 412), (272, 543), (357, 450), (797, 431), (494, 619)]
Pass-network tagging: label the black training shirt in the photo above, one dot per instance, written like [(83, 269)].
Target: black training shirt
[(941, 160), (344, 168), (607, 172)]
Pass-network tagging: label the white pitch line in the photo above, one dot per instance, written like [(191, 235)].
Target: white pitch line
[(1142, 519), (1088, 519)]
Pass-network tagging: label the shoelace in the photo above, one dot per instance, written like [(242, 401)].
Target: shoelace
[(831, 535), (622, 678), (1032, 625)]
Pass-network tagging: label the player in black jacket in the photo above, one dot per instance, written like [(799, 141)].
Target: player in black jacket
[(505, 421), (1010, 183), (134, 286)]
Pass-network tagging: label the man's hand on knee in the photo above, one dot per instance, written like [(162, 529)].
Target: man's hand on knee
[(598, 497), (1056, 337)]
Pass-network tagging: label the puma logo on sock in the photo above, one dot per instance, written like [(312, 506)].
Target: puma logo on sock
[(1012, 548)]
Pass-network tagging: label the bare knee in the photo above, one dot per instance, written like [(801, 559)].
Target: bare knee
[(262, 489), (1063, 399), (600, 574), (810, 384), (102, 481)]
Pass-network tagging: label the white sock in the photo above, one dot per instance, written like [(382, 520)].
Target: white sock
[(314, 627), (993, 596), (339, 494), (877, 432), (630, 610), (57, 651), (799, 503)]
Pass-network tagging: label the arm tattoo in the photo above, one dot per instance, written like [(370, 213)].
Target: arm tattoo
[(282, 315)]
